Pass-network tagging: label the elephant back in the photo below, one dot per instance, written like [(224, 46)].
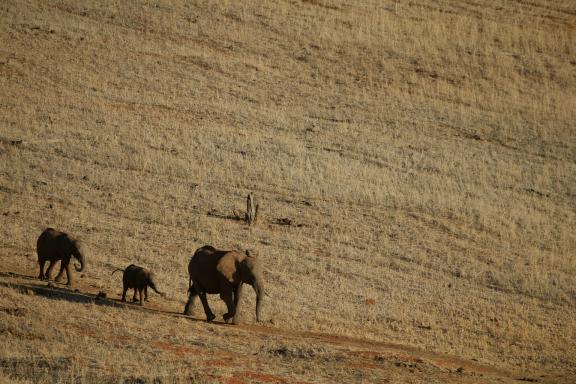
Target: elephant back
[(203, 265), (204, 257), (133, 270), (52, 243), (135, 275)]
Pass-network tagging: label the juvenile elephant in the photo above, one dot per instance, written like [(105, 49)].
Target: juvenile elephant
[(214, 271), (52, 246), (139, 279)]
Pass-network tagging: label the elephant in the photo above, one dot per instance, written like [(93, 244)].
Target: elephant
[(139, 279), (223, 272), (52, 246)]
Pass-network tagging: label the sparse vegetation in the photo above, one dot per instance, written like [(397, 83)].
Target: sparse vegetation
[(426, 150)]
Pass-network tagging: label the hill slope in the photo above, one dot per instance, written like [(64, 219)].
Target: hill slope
[(423, 153)]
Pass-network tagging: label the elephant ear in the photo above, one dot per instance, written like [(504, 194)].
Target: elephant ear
[(227, 265), (64, 242)]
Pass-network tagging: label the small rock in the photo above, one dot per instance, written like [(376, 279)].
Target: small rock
[(284, 221), (370, 301), (101, 295), (460, 370)]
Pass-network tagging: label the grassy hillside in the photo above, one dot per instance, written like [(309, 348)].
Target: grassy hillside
[(424, 152)]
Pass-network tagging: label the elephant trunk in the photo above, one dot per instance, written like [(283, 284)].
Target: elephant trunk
[(80, 258), (153, 286), (259, 289)]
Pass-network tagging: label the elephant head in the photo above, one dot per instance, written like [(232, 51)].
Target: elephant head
[(76, 250), (251, 273), (152, 284)]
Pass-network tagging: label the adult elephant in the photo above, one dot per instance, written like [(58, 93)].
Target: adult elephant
[(52, 246), (224, 272)]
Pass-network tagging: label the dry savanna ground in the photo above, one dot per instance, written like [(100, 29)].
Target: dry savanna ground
[(414, 163)]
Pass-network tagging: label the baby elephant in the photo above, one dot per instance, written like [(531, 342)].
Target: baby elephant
[(139, 279)]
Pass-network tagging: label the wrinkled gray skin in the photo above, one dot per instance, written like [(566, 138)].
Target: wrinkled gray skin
[(139, 279), (52, 246), (223, 272)]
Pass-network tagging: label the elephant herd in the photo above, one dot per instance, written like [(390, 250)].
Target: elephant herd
[(211, 271)]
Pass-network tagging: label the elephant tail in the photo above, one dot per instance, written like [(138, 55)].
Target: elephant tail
[(116, 270)]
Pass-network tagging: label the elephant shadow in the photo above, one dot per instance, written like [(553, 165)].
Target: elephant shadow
[(17, 275), (55, 292)]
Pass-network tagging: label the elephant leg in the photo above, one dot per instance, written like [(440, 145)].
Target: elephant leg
[(62, 267), (209, 315), (134, 299), (140, 294), (49, 270), (68, 274), (227, 295), (124, 293), (41, 263), (237, 295), (146, 293), (190, 303)]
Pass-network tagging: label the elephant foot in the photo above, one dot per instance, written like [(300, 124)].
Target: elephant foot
[(210, 317), (227, 317)]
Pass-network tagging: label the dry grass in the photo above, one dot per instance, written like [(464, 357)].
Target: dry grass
[(427, 149)]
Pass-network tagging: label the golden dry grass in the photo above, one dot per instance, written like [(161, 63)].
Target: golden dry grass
[(427, 149)]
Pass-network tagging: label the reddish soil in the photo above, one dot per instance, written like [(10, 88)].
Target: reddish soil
[(178, 350)]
